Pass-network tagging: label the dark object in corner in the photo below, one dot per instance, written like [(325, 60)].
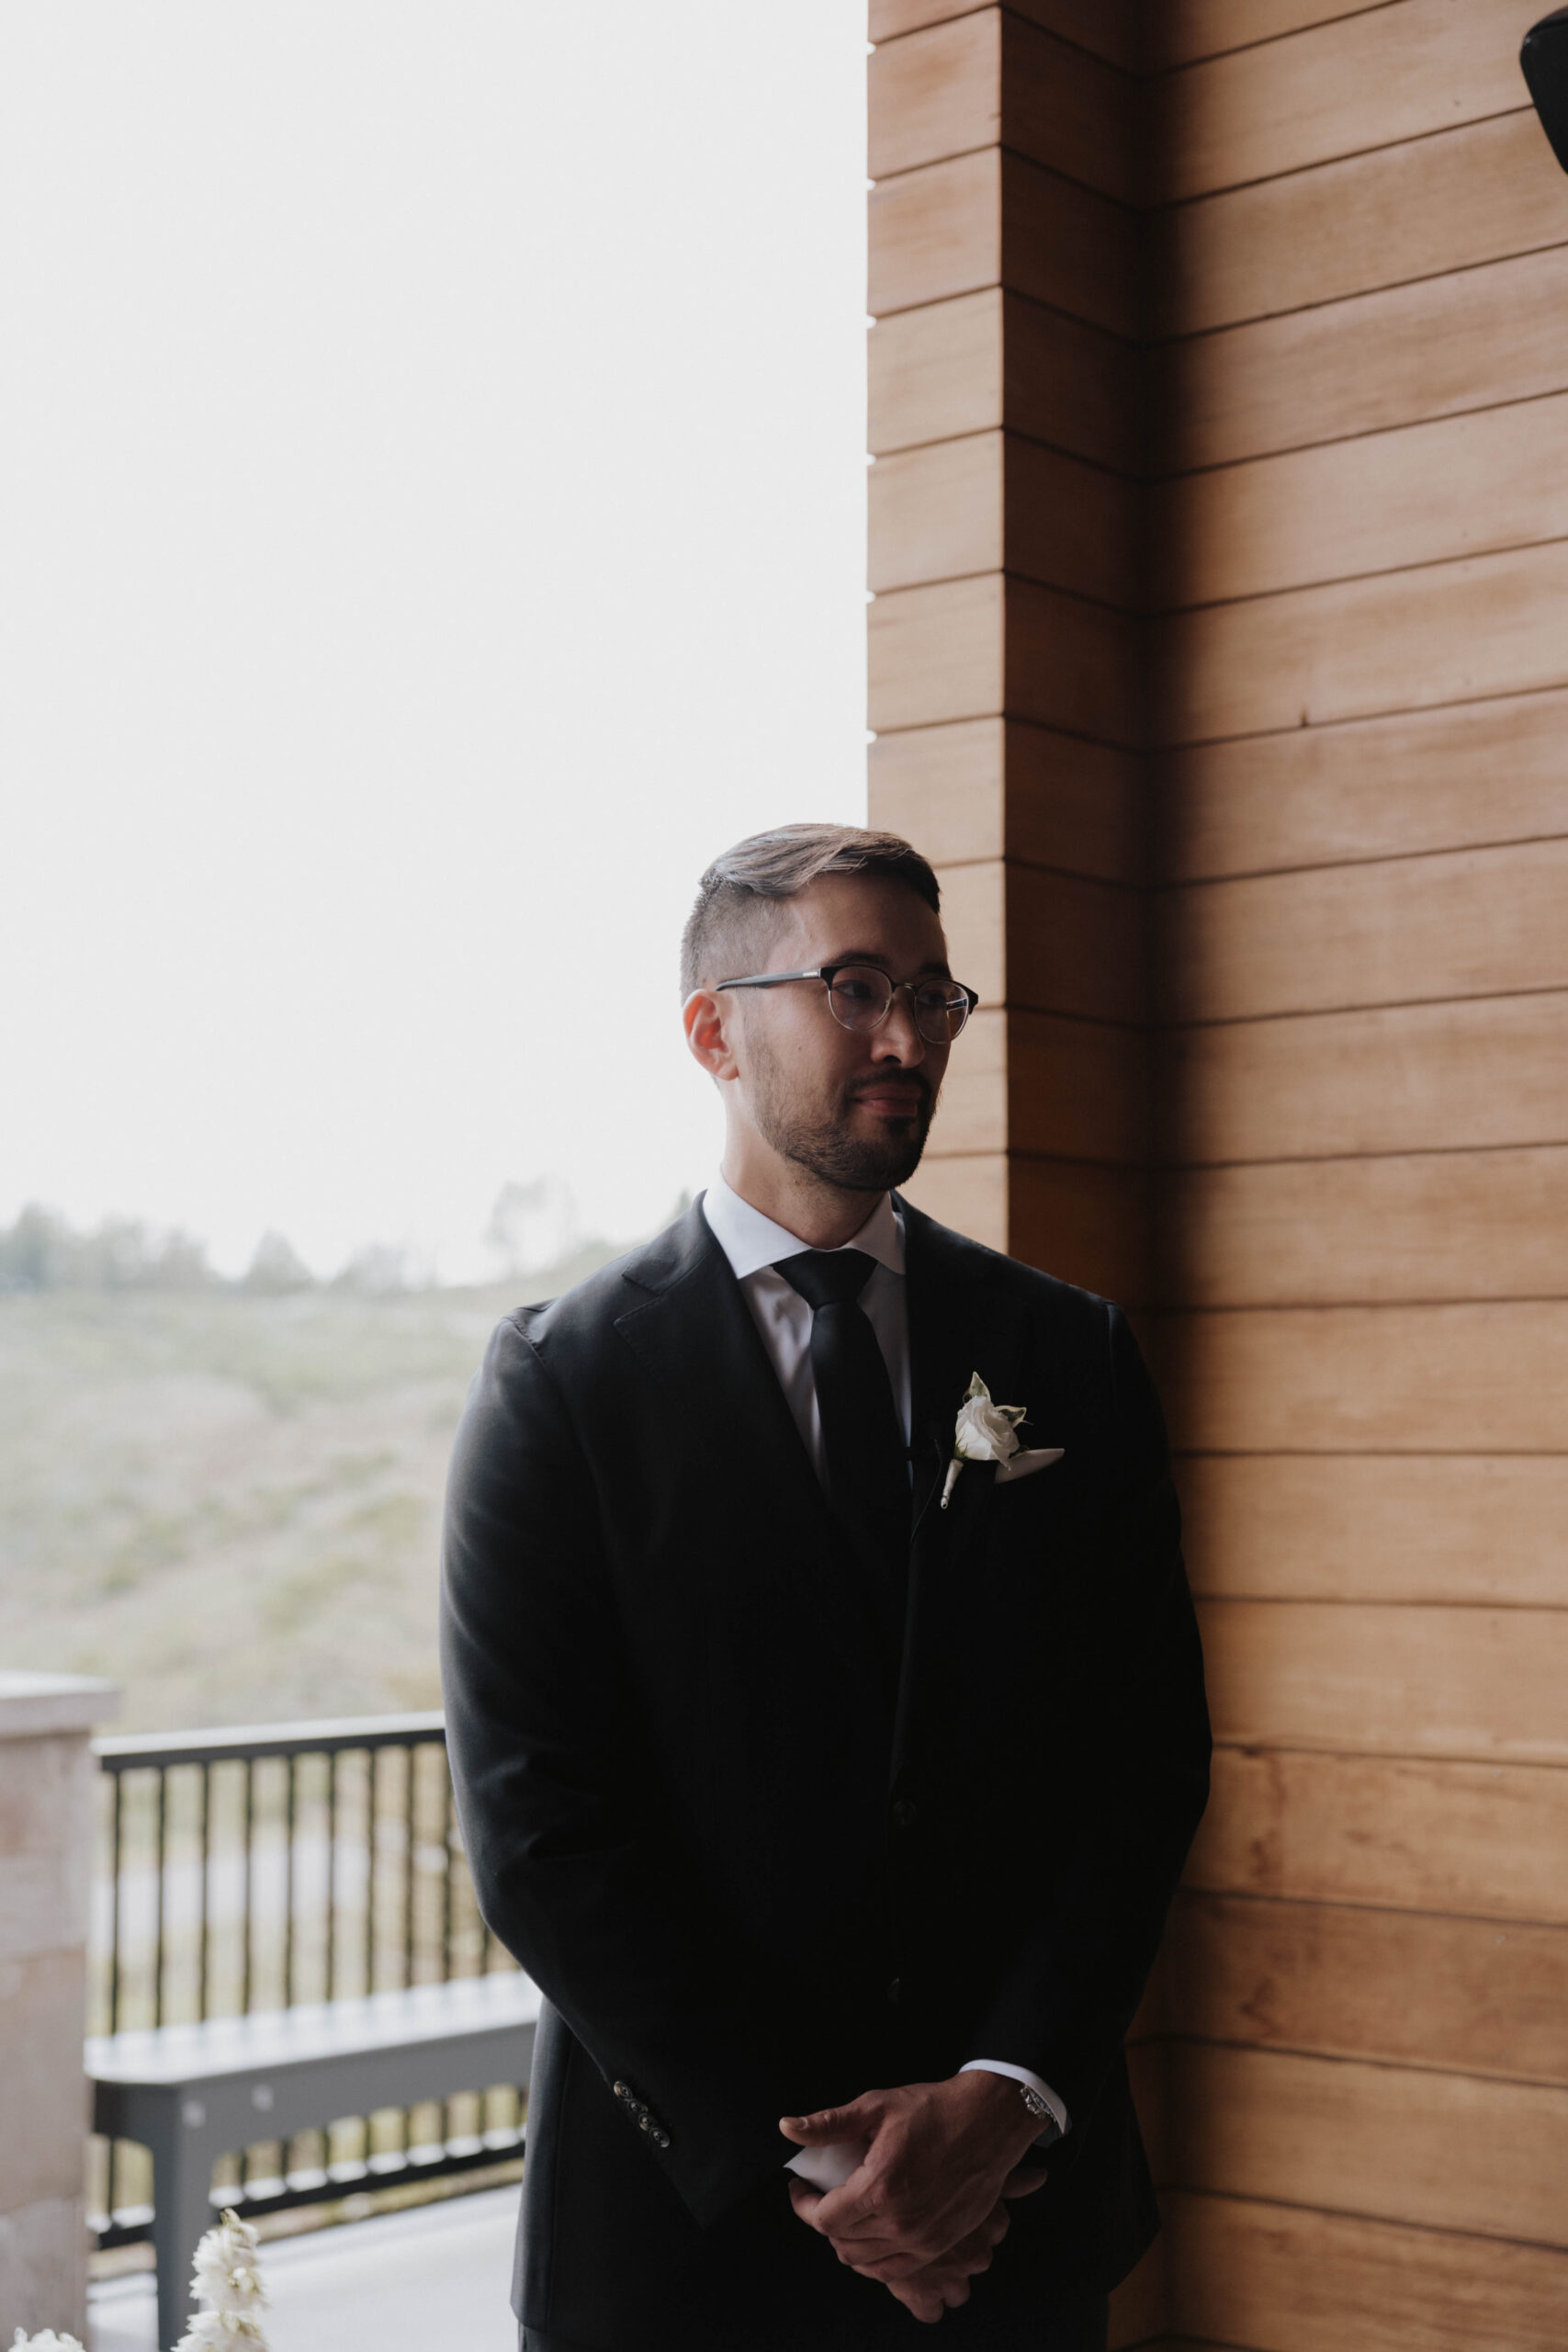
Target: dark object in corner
[(1544, 58)]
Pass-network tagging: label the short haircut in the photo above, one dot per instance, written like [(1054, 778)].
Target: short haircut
[(780, 865)]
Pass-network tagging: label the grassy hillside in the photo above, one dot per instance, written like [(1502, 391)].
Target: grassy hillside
[(230, 1503)]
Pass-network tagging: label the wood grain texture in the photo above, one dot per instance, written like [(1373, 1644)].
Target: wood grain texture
[(1056, 943), (1073, 945), (1423, 209), (1474, 923), (1455, 1528), (994, 219), (1396, 2143), (1455, 632), (1478, 1841), (972, 1112), (1082, 1224), (1402, 1988), (993, 502), (1324, 1232), (1410, 1077), (1372, 787), (1085, 1224), (1105, 28), (1175, 32), (1473, 339), (1460, 485), (1476, 1685), (981, 648), (1282, 2281), (969, 1193), (987, 360), (935, 94), (1466, 1379), (990, 787), (994, 77), (1078, 1090), (1360, 83), (1033, 1082), (937, 653)]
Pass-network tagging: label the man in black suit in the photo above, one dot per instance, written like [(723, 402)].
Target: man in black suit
[(829, 1733)]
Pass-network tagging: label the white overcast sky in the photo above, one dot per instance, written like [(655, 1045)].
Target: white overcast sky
[(431, 526)]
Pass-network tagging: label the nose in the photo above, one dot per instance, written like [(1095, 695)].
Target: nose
[(897, 1038)]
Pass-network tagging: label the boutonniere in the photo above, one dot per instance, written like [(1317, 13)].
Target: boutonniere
[(988, 1432)]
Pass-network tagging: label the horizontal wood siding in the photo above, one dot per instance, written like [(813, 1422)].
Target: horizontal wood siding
[(1287, 2279), (1219, 659), (1358, 552)]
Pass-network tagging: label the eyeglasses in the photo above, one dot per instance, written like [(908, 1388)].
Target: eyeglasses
[(861, 997)]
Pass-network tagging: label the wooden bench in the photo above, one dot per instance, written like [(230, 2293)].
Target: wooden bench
[(192, 2093)]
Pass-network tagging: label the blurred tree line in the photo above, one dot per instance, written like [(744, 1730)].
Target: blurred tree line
[(42, 1251)]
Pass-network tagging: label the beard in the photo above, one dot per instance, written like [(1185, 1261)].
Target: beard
[(818, 1137)]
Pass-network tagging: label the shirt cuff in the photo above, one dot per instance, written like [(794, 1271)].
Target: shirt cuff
[(830, 2165), (1022, 2074)]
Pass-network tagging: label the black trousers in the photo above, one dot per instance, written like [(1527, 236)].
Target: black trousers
[(1078, 2325)]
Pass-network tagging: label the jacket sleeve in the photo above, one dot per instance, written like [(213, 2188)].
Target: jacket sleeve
[(574, 1867), (1072, 1983)]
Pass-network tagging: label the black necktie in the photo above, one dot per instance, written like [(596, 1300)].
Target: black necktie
[(862, 1437)]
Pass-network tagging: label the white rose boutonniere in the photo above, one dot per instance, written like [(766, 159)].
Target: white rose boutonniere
[(985, 1431)]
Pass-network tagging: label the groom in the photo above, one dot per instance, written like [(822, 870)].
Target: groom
[(833, 1795)]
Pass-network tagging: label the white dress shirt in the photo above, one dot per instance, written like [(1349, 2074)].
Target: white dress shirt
[(753, 1245)]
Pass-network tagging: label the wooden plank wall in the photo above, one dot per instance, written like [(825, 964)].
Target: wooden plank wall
[(1007, 685), (1220, 657), (1357, 550)]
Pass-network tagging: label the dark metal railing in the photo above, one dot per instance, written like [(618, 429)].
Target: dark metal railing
[(285, 1863)]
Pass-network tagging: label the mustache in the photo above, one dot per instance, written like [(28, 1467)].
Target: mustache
[(910, 1082)]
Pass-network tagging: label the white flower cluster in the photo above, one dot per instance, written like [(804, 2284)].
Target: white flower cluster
[(45, 2342), (229, 2283)]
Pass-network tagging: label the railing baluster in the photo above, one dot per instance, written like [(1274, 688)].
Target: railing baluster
[(449, 1815), (331, 1870), (373, 1778), (288, 1885), (411, 1832), (249, 1889), (118, 1818), (161, 1874), (205, 1872)]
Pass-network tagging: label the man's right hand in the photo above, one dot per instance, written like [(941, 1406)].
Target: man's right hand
[(944, 2284)]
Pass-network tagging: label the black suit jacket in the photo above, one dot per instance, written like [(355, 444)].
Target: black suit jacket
[(752, 1871)]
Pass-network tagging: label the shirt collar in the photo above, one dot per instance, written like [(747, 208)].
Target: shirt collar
[(750, 1240)]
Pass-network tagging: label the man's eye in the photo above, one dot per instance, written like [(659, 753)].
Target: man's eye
[(936, 999), (856, 990)]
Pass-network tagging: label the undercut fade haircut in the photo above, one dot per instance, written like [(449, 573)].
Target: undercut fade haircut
[(723, 928)]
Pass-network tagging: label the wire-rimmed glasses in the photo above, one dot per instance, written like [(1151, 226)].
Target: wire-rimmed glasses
[(859, 996)]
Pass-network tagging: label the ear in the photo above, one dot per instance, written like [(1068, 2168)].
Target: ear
[(706, 1018)]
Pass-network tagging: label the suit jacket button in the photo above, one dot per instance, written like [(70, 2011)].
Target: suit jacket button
[(623, 2090), (661, 2139)]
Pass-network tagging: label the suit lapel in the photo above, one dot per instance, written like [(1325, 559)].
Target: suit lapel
[(962, 1320), (689, 1325)]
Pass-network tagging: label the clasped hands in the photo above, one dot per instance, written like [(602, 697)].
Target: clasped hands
[(925, 2209)]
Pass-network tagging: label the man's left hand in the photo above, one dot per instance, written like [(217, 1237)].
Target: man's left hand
[(940, 2157)]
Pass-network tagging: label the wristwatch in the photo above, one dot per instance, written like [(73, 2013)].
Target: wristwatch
[(1049, 2127)]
